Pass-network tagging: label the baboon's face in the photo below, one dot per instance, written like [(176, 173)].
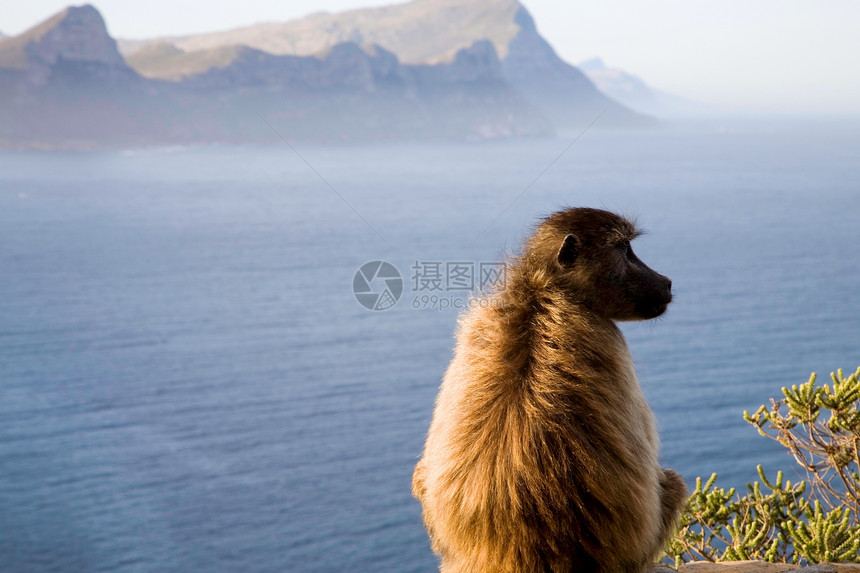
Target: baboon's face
[(610, 279)]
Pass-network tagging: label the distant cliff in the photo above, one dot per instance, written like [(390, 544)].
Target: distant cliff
[(429, 69), (64, 84), (636, 94), (76, 37), (422, 32)]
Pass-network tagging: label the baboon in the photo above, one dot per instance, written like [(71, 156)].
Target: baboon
[(542, 453)]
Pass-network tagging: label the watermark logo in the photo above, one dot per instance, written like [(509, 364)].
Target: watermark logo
[(439, 285), (377, 285)]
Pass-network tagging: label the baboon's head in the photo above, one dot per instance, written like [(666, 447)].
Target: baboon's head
[(588, 254)]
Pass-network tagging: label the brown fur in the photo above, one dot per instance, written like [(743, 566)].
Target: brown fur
[(542, 452)]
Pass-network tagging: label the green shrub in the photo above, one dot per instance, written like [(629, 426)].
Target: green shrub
[(814, 520)]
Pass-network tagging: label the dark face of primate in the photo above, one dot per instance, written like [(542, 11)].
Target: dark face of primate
[(602, 271)]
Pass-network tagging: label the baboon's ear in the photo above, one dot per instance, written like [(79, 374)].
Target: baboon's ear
[(568, 251)]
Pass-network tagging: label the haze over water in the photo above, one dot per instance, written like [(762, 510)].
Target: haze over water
[(188, 383)]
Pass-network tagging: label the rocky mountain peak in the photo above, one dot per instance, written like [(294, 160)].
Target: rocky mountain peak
[(77, 34)]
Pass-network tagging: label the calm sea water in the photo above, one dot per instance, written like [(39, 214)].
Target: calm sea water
[(188, 384)]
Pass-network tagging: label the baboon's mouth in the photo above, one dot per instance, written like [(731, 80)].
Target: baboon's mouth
[(655, 309), (659, 310)]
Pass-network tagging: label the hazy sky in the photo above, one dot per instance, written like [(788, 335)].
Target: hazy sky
[(765, 55)]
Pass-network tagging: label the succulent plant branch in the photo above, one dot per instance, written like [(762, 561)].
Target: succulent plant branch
[(812, 521)]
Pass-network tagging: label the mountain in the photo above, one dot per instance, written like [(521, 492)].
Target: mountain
[(636, 94), (64, 84), (428, 69), (562, 92), (363, 92), (65, 81), (421, 32), (75, 36)]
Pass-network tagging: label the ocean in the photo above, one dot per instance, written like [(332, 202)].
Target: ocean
[(189, 383)]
